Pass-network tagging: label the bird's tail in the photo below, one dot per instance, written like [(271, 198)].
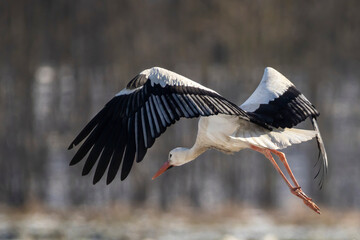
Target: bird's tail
[(275, 139), (322, 155)]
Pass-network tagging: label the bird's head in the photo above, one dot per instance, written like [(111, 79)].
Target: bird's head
[(177, 157)]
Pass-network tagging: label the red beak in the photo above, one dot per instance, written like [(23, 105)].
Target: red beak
[(164, 167)]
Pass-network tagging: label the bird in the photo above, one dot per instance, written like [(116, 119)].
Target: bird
[(128, 125)]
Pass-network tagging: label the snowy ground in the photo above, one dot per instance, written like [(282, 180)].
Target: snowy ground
[(230, 224)]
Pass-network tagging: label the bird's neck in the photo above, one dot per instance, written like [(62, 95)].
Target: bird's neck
[(192, 153)]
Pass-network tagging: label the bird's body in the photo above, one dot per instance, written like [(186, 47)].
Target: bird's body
[(156, 98), (236, 134), (210, 135)]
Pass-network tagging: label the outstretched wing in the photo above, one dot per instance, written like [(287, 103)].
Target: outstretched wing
[(278, 103), (130, 122)]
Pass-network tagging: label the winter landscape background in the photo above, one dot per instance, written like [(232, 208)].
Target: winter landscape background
[(61, 61)]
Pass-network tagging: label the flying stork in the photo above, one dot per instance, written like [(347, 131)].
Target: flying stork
[(130, 122)]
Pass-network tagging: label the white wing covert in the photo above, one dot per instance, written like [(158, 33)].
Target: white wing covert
[(277, 102)]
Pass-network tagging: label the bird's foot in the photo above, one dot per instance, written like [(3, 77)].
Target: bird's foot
[(297, 191)]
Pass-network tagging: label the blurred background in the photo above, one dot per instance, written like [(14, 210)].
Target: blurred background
[(61, 61)]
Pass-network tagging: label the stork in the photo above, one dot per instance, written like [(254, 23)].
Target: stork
[(156, 98)]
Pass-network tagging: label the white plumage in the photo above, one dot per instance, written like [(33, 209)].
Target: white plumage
[(156, 98), (273, 84), (167, 78)]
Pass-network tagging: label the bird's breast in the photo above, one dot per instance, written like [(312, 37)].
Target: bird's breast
[(215, 131)]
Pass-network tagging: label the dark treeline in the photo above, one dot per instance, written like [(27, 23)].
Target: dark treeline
[(61, 61)]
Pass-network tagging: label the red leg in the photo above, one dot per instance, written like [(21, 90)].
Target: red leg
[(297, 191), (268, 155), (308, 201), (287, 167)]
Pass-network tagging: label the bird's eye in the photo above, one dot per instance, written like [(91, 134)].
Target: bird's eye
[(170, 155)]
